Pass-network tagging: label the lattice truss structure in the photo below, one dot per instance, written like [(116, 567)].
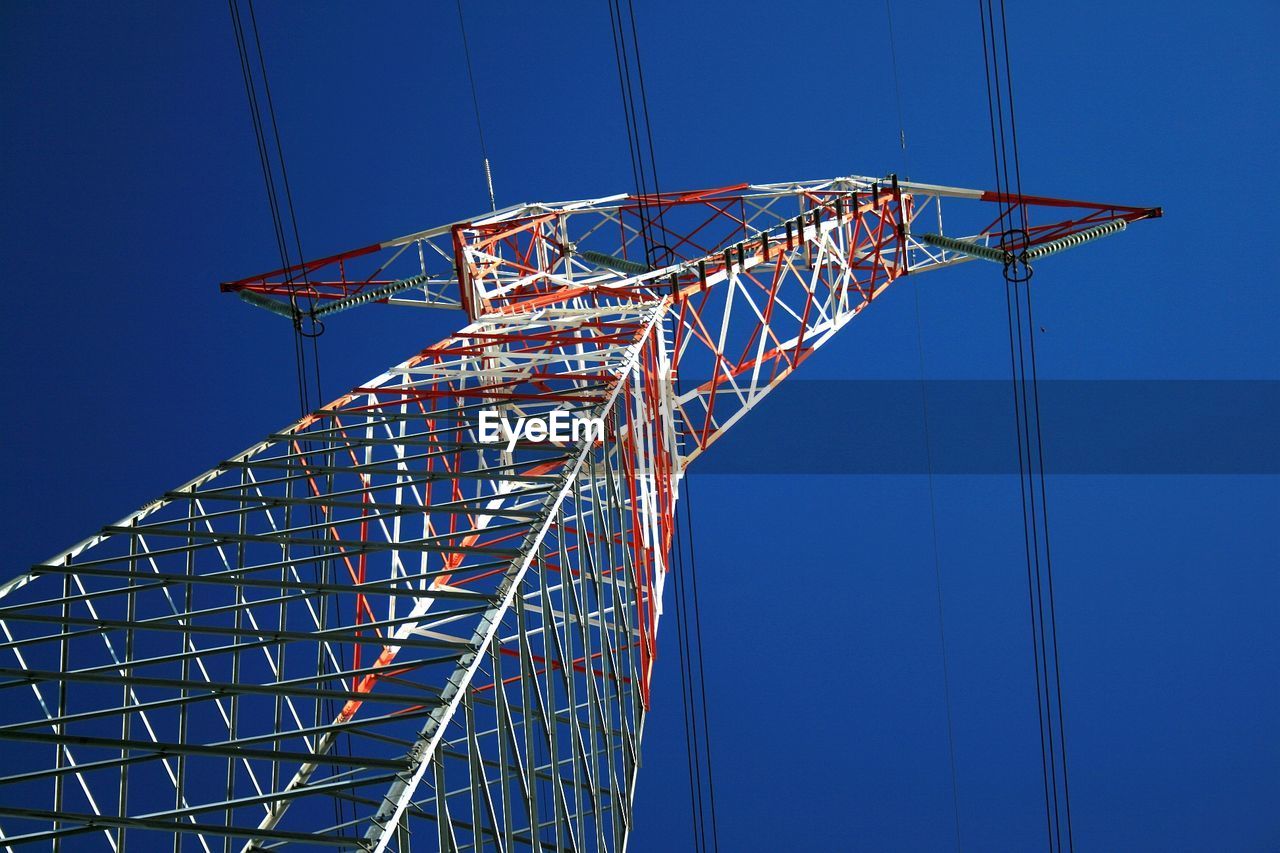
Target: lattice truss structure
[(373, 630)]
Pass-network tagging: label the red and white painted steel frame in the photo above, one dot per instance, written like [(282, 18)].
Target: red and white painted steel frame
[(371, 625)]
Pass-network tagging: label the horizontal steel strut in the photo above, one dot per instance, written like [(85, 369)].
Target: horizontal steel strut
[(373, 625)]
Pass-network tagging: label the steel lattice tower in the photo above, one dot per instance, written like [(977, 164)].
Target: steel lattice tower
[(370, 627)]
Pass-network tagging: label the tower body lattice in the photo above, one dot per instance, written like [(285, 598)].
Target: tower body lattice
[(373, 629)]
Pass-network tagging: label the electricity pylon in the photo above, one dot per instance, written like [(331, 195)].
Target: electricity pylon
[(372, 628)]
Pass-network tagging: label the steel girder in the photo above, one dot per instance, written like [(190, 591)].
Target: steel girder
[(372, 627)]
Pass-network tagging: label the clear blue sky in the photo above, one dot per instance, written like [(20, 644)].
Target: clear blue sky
[(131, 187)]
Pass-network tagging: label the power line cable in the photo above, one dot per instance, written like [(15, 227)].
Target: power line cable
[(631, 123), (622, 63), (475, 103), (648, 126), (928, 447), (1035, 390), (692, 757), (273, 204), (702, 686), (644, 169), (995, 114), (1015, 238), (897, 91), (689, 510), (301, 336)]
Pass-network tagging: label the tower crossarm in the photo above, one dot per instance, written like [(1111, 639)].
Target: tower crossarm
[(760, 276)]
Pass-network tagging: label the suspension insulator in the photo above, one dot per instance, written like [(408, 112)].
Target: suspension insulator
[(1112, 227), (621, 265), (369, 295), (488, 177), (964, 247), (275, 306)]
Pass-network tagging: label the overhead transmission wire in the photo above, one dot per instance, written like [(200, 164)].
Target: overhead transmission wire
[(688, 515), (1027, 406), (1035, 389), (692, 675), (995, 111), (928, 450), (273, 202), (640, 146), (631, 121), (897, 90), (303, 339), (317, 328), (701, 667), (689, 724), (475, 103), (693, 572), (651, 256)]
